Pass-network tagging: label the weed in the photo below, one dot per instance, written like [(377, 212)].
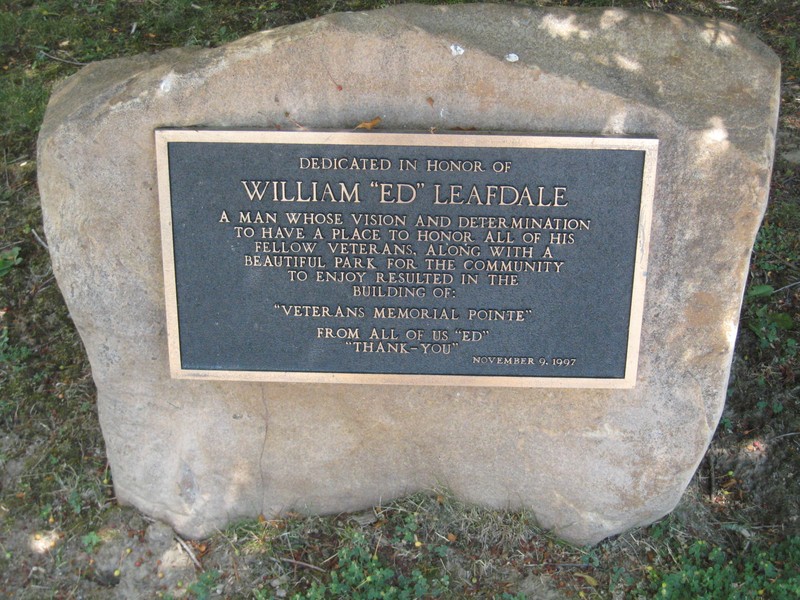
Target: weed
[(91, 541), (726, 424), (362, 574), (766, 323), (774, 251), (204, 586), (9, 259), (707, 571), (12, 356)]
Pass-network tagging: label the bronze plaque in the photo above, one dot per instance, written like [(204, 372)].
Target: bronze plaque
[(388, 258)]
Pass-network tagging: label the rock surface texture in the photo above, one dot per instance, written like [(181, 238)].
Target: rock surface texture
[(588, 463)]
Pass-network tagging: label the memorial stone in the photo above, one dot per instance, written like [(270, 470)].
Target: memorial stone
[(492, 248)]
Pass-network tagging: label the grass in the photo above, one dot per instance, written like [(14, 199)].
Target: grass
[(62, 534)]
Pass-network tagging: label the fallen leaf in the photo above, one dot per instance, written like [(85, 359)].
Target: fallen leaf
[(451, 537), (200, 548), (369, 124), (588, 579)]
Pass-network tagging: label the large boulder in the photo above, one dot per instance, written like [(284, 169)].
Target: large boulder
[(588, 463)]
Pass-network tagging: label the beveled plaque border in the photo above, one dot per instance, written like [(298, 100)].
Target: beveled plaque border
[(473, 140)]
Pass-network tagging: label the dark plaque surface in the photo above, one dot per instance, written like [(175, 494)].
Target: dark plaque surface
[(405, 258)]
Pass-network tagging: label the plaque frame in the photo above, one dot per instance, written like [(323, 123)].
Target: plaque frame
[(649, 146)]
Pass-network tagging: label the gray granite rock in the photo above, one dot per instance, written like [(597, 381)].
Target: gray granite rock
[(588, 463)]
